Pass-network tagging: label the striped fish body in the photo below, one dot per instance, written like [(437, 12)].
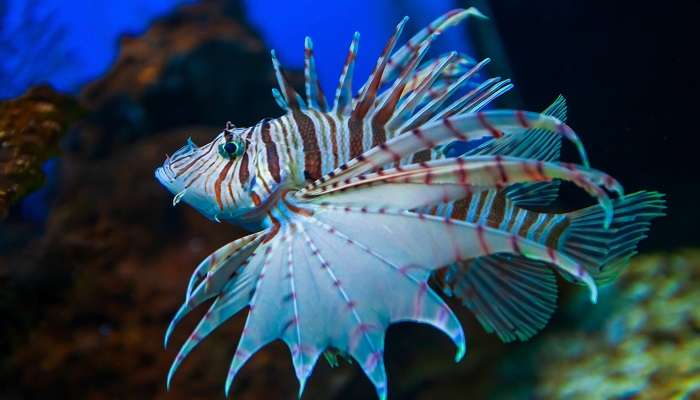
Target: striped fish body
[(282, 153), (356, 209)]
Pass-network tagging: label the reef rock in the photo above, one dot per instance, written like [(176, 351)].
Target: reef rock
[(198, 66), (30, 129)]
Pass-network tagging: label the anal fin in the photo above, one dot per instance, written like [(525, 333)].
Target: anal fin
[(511, 296)]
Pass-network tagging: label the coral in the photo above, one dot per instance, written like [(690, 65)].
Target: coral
[(30, 129), (649, 345)]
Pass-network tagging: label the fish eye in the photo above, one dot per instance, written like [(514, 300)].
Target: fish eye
[(232, 148)]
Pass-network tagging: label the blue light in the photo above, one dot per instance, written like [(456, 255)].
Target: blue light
[(66, 43), (284, 24)]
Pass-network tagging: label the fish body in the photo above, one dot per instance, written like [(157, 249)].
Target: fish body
[(357, 207)]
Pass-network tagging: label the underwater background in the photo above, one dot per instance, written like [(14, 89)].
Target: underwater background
[(94, 258)]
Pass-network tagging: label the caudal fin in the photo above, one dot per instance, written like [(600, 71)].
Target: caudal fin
[(606, 252)]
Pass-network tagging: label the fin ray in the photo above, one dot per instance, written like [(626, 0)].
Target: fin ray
[(511, 296)]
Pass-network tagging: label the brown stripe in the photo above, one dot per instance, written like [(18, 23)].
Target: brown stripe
[(273, 162), (230, 190), (290, 93), (256, 199), (322, 136), (219, 181), (212, 167), (534, 172), (356, 134), (334, 139), (193, 181), (497, 211), (514, 217), (355, 124), (378, 133), (530, 219), (514, 245), (312, 153), (370, 92), (243, 172), (422, 156), (288, 140), (298, 210), (188, 166), (320, 97), (555, 233), (273, 231), (293, 208), (459, 209), (480, 205), (382, 116), (202, 170)]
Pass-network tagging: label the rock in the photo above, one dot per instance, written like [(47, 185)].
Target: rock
[(198, 66), (30, 129)]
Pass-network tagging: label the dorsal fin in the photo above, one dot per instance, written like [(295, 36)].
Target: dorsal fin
[(416, 96), (314, 94), (498, 89), (369, 94), (446, 68), (292, 99), (387, 104), (343, 94), (401, 56), (427, 112)]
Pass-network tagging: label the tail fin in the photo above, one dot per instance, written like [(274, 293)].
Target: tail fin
[(606, 252)]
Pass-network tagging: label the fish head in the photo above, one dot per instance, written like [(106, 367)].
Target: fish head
[(213, 178)]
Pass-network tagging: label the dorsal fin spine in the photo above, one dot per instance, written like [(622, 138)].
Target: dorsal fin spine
[(290, 96), (343, 94), (314, 94)]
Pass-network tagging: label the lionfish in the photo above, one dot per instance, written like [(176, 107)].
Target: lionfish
[(363, 211)]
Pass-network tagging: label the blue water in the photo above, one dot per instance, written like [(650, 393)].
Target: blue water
[(331, 25), (69, 43), (66, 43)]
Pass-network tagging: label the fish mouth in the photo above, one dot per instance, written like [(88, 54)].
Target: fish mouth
[(166, 176), (167, 173)]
